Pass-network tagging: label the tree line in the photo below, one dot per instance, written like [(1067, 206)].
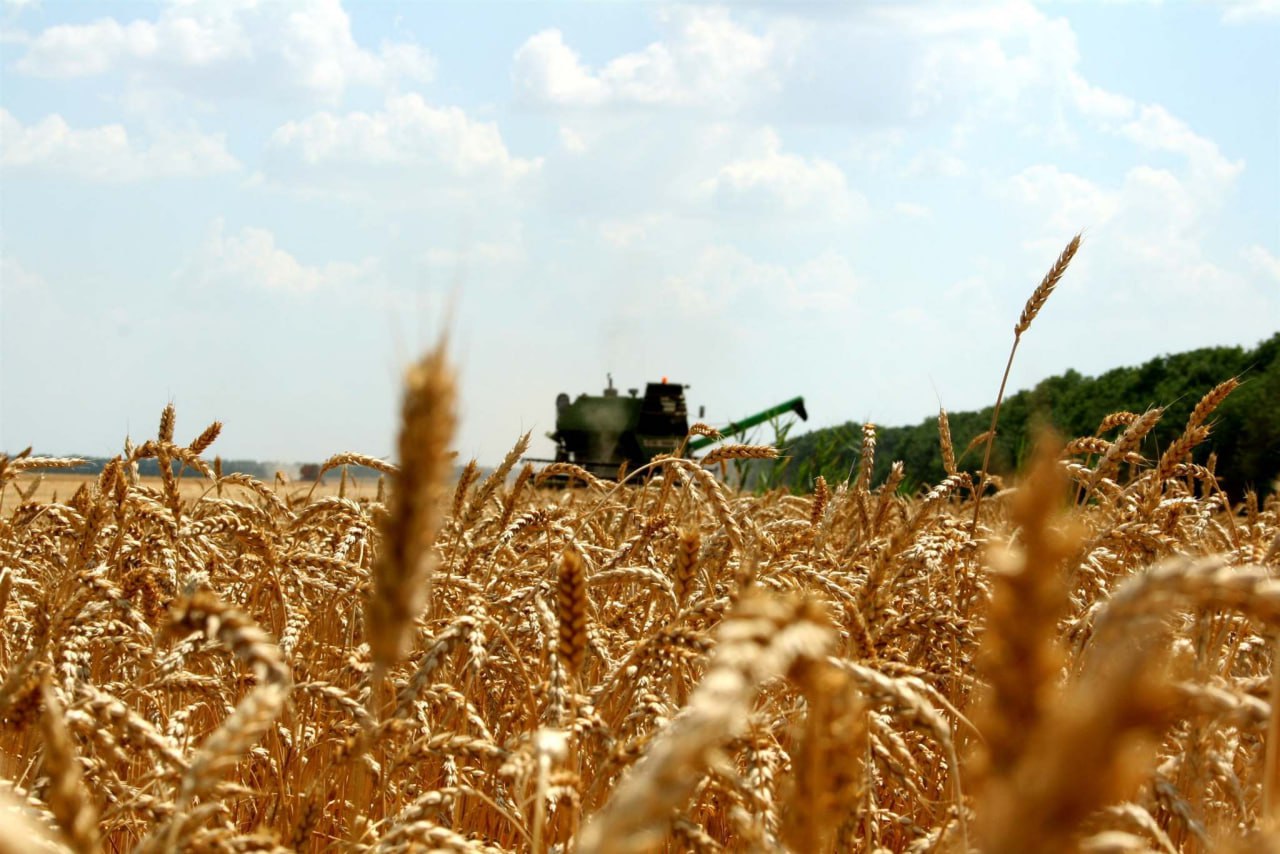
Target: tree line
[(1246, 427)]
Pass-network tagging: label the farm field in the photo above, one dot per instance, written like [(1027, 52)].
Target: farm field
[(58, 486), (822, 539), (663, 665), (1079, 658)]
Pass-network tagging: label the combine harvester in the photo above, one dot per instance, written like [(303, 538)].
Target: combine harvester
[(600, 433)]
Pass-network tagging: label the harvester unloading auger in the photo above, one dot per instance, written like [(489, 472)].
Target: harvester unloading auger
[(601, 432)]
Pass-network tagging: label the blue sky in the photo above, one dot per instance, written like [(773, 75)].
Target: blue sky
[(262, 211)]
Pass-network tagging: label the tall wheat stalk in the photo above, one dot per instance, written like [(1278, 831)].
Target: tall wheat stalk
[(1036, 302)]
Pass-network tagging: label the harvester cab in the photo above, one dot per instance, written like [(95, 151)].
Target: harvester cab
[(602, 432)]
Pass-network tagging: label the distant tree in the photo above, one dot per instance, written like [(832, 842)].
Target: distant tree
[(1246, 428)]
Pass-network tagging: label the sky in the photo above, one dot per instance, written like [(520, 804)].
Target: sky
[(263, 211)]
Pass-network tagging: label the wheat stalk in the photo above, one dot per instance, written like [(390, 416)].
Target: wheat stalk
[(1034, 304), (402, 574)]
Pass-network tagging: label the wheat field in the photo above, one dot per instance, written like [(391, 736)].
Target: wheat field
[(1078, 660), (56, 486)]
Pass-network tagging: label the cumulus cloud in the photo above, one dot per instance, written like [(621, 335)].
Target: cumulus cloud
[(1068, 201), (985, 56), (17, 278), (1147, 224), (1095, 101), (913, 210), (928, 87), (623, 233), (1247, 11), (707, 58), (480, 254), (925, 66), (1264, 261), (1233, 11), (108, 153), (1236, 11), (549, 70), (773, 180), (212, 47), (1155, 128), (720, 276), (408, 132), (1145, 233), (572, 141), (663, 179), (250, 258), (1152, 206), (935, 163)]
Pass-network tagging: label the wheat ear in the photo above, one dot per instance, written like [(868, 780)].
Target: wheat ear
[(402, 573), (571, 611), (761, 641), (68, 799), (1038, 298)]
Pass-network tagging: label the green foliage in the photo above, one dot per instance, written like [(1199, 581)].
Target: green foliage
[(1246, 428), (765, 475)]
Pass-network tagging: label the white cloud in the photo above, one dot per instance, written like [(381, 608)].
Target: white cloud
[(1263, 260), (481, 254), (683, 178), (974, 291), (623, 233), (572, 141), (826, 283), (920, 321), (926, 65), (913, 210), (1233, 11), (936, 163), (1149, 225), (707, 59), (108, 153), (1146, 228), (408, 132), (549, 70), (251, 259), (1068, 201), (1096, 102), (1247, 11), (17, 279), (924, 69), (1155, 128), (210, 47), (771, 180), (721, 276), (984, 56)]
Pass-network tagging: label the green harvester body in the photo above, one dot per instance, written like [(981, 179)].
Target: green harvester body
[(602, 432)]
